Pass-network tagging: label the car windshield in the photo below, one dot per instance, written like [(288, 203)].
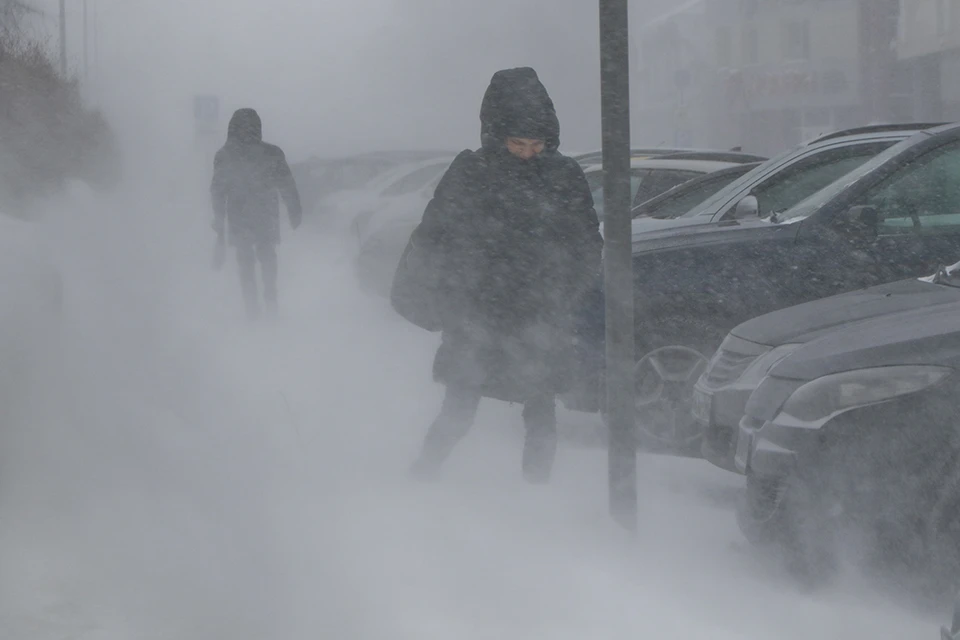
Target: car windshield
[(815, 202)]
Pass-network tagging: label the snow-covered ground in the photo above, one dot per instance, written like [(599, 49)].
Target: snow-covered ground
[(170, 471)]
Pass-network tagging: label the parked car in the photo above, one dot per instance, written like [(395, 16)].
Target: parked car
[(390, 213), (751, 349), (785, 180), (319, 178), (855, 434), (649, 177), (383, 233), (888, 219)]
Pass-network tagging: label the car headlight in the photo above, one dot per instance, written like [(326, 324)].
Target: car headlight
[(760, 367), (825, 397)]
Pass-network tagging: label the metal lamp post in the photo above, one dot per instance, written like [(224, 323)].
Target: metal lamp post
[(617, 260)]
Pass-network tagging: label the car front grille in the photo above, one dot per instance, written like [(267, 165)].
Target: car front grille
[(726, 367)]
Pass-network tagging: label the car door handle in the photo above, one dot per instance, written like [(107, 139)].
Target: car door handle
[(728, 223)]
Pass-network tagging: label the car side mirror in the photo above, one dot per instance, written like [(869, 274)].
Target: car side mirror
[(749, 207), (862, 219)]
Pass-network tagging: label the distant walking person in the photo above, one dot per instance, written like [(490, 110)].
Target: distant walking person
[(509, 244), (247, 175)]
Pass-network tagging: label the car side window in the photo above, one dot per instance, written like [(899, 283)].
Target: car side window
[(680, 204), (636, 179), (921, 197), (795, 183), (659, 181)]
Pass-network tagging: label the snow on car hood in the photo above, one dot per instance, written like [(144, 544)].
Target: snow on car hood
[(808, 321), (925, 336)]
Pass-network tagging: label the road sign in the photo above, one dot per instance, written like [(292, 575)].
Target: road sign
[(206, 112)]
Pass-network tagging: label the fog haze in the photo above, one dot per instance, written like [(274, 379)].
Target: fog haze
[(169, 471)]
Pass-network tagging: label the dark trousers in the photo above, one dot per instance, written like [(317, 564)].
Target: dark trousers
[(248, 254), (457, 415)]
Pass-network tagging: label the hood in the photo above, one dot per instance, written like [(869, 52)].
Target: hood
[(517, 104), (929, 336), (245, 126), (809, 321)]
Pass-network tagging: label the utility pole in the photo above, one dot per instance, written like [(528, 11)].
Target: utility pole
[(63, 38), (618, 261), (86, 56), (96, 39)]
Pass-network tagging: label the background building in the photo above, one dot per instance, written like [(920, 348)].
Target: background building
[(928, 50), (768, 74), (675, 82)]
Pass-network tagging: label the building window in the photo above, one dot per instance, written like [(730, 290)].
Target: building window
[(724, 47), (796, 40), (751, 46)]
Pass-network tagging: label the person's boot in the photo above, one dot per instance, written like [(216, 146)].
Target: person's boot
[(539, 453), (453, 423), (253, 310), (272, 309), (425, 468)]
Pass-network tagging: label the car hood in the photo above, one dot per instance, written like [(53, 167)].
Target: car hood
[(807, 322), (929, 336)]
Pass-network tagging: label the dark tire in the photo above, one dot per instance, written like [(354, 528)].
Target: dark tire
[(787, 513), (689, 343), (761, 513)]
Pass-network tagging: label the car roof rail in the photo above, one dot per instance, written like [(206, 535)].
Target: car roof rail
[(881, 128), (719, 156)]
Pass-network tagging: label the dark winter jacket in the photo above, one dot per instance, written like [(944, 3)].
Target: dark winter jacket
[(247, 175), (515, 244)]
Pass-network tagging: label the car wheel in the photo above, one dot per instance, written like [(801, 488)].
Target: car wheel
[(761, 509), (664, 380), (789, 514)]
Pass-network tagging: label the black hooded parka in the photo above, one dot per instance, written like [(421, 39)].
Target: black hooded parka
[(515, 244), (247, 175)]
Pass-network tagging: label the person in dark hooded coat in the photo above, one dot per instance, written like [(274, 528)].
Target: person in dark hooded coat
[(514, 244), (248, 173)]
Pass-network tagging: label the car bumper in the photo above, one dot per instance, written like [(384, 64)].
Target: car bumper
[(719, 411), (769, 449)]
